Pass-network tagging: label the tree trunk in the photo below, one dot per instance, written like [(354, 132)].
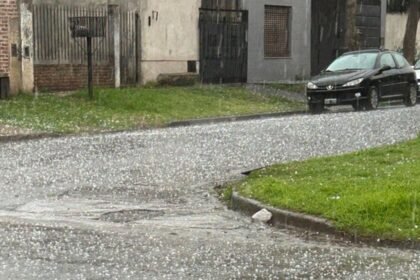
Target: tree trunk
[(411, 31), (351, 39)]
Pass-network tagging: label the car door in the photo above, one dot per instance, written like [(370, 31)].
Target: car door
[(388, 78), (405, 75)]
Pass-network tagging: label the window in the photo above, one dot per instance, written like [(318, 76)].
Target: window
[(402, 62), (386, 59), (354, 61), (277, 31), (192, 66)]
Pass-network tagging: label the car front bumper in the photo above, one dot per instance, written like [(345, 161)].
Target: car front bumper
[(338, 96)]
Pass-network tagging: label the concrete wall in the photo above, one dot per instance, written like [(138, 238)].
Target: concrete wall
[(15, 67), (27, 46), (171, 39), (168, 43), (295, 67), (395, 30)]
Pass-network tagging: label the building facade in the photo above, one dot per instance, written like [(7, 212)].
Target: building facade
[(9, 32), (279, 40), (224, 41)]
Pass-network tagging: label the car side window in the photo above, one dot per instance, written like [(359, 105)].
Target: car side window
[(402, 62), (386, 59)]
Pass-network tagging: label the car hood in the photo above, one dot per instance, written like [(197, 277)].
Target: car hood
[(341, 77)]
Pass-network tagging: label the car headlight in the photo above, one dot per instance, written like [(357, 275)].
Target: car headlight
[(311, 85), (353, 83)]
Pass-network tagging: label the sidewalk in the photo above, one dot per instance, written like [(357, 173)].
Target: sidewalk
[(7, 130), (10, 133)]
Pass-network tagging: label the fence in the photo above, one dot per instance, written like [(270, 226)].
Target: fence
[(53, 43), (129, 52)]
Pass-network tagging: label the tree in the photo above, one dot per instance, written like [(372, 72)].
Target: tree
[(409, 44)]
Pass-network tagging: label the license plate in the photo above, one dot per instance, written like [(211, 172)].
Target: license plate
[(330, 101)]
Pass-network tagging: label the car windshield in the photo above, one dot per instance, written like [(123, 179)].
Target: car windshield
[(417, 65), (356, 61)]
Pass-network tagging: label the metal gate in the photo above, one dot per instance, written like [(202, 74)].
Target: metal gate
[(329, 27), (129, 48), (328, 30), (223, 46), (368, 22)]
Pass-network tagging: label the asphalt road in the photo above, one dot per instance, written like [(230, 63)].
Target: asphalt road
[(141, 205)]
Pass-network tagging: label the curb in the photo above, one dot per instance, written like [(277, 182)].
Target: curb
[(26, 137), (284, 219), (233, 118)]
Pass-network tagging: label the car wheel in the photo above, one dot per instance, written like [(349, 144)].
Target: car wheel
[(316, 108), (411, 98), (372, 101)]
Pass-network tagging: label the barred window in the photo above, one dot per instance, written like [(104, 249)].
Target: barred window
[(277, 31)]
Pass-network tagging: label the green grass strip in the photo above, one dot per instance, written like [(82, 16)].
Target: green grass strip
[(119, 109), (373, 193)]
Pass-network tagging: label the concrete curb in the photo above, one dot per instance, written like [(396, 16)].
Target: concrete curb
[(37, 136), (27, 137), (284, 219), (233, 118)]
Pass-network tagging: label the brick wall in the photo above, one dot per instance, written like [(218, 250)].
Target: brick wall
[(71, 77), (8, 9)]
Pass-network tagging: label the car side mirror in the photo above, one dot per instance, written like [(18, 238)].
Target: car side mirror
[(385, 68)]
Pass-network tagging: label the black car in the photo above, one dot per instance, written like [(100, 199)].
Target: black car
[(363, 79)]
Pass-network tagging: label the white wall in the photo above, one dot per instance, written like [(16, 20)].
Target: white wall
[(298, 65), (172, 37), (395, 30)]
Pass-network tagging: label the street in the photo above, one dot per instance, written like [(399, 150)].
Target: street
[(141, 205)]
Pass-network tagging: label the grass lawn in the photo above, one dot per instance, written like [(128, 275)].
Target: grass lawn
[(372, 193), (118, 109)]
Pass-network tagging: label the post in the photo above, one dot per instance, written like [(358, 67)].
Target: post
[(137, 22), (90, 66), (114, 24), (27, 46)]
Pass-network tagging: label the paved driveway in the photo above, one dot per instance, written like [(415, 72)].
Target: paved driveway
[(141, 205)]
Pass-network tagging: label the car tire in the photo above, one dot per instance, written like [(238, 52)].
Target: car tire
[(411, 97), (316, 108), (372, 101)]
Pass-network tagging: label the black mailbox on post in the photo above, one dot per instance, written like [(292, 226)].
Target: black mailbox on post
[(4, 86), (88, 27)]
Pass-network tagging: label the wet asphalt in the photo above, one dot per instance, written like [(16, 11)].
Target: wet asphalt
[(141, 205)]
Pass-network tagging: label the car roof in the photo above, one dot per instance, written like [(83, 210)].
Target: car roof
[(367, 51)]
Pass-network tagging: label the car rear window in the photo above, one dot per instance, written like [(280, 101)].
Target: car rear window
[(387, 60), (402, 62)]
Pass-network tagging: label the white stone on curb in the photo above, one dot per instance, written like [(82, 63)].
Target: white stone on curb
[(262, 216)]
